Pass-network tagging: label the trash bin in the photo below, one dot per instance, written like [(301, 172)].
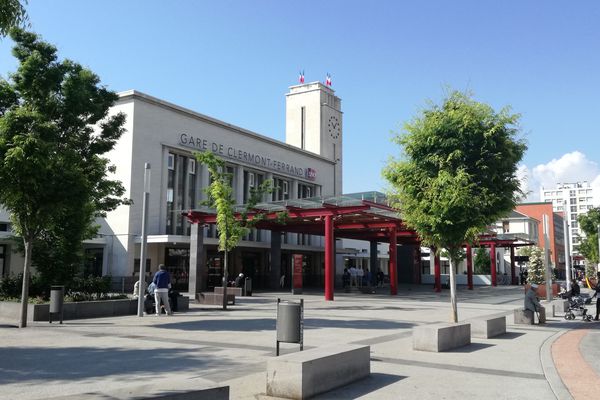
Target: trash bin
[(290, 322), (248, 287), (57, 296)]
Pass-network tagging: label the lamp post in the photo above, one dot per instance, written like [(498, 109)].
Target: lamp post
[(567, 247), (142, 281), (547, 259)]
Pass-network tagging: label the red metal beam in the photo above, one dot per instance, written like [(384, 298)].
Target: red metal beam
[(493, 264), (393, 263), (329, 258)]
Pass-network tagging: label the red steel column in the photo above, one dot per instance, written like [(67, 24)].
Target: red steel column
[(438, 271), (493, 263), (329, 264), (469, 268), (393, 267), (512, 266)]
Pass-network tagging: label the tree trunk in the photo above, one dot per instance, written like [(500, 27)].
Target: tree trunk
[(225, 277), (25, 290), (453, 290)]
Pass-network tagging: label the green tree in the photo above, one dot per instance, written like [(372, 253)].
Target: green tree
[(54, 131), (458, 173), (231, 225), (588, 247), (482, 261), (12, 14), (536, 272)]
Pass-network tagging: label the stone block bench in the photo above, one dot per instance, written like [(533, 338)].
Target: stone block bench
[(485, 328), (527, 317), (441, 337), (560, 306), (188, 389), (307, 373), (230, 290), (214, 298)]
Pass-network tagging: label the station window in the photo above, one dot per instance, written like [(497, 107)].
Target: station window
[(280, 189), (181, 192), (305, 191), (252, 180)]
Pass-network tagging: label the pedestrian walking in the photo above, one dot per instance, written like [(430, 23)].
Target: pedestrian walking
[(162, 280), (597, 289)]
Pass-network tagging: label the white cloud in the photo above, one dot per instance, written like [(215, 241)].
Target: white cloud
[(571, 167)]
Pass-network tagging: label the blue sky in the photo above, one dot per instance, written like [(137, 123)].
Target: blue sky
[(234, 60)]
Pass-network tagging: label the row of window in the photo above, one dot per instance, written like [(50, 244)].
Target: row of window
[(572, 193), (182, 193)]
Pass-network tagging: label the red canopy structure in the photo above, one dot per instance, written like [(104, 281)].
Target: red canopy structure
[(334, 217), (350, 218)]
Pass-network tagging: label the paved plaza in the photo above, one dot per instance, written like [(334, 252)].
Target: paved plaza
[(558, 360)]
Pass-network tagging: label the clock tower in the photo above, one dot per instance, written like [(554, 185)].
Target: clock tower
[(314, 123)]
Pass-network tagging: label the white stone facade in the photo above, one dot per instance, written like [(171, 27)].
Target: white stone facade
[(573, 199)]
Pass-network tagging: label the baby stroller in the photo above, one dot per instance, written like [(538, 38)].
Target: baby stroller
[(577, 308)]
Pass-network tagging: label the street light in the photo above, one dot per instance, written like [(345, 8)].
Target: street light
[(567, 247), (142, 281)]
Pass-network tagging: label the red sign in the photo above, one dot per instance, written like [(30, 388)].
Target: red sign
[(297, 275), (311, 174)]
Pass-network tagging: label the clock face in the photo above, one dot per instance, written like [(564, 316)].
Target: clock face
[(334, 127)]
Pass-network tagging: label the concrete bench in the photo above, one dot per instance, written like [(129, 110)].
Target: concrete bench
[(188, 389), (307, 373), (560, 306), (441, 337), (527, 317), (230, 290), (485, 328), (214, 298)]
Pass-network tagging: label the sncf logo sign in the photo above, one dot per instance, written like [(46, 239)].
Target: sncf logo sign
[(311, 174)]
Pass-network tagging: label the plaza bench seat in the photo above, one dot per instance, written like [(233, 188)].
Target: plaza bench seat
[(307, 373), (527, 317), (441, 337), (214, 298), (230, 290), (560, 306), (485, 328)]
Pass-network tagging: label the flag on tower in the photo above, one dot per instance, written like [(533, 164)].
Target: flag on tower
[(328, 80), (301, 77)]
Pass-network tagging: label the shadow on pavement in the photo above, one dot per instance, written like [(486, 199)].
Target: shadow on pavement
[(470, 348), (28, 365), (268, 324), (360, 388), (509, 335)]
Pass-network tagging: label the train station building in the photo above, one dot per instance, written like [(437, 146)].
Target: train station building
[(307, 176)]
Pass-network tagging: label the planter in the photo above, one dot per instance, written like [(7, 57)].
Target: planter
[(84, 309), (80, 310), (541, 290)]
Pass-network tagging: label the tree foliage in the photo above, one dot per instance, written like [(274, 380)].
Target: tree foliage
[(458, 171), (220, 197), (54, 131), (588, 247), (482, 261), (12, 14), (536, 273)]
